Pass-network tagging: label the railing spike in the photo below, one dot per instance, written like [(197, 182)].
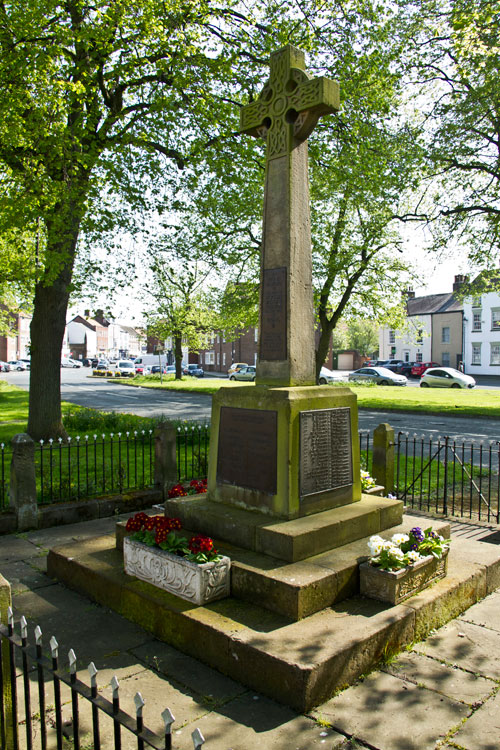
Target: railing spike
[(72, 661), (115, 685), (54, 647), (38, 635), (10, 617), (24, 627), (93, 674), (168, 719), (198, 739), (139, 704)]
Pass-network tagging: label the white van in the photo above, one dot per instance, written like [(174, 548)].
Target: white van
[(151, 359)]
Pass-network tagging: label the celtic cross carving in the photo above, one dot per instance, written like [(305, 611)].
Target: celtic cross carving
[(289, 105)]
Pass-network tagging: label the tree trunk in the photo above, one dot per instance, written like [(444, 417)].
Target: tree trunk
[(178, 357), (49, 321), (323, 346)]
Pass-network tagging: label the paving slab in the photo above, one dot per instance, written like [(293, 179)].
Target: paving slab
[(58, 535), (485, 613), (482, 730), (79, 624), (453, 682), (188, 672), (23, 576), (14, 547), (392, 714), (470, 646)]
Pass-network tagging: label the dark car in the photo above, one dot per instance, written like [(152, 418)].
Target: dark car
[(405, 368), (195, 370), (156, 369), (393, 364)]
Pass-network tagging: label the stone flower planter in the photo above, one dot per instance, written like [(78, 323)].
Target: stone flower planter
[(396, 586), (188, 580)]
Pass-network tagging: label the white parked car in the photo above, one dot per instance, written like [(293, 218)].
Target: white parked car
[(68, 362), (17, 364), (327, 376), (378, 375), (446, 377), (125, 368)]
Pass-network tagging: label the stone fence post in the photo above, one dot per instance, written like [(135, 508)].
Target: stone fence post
[(23, 482), (5, 602), (165, 471), (383, 457)]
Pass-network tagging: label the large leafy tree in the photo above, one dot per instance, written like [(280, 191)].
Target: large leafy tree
[(99, 100), (455, 55)]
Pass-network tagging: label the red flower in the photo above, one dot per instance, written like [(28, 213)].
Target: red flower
[(135, 523), (172, 524), (201, 543)]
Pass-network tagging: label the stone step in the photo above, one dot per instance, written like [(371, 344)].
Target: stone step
[(299, 663), (287, 540), (297, 590)]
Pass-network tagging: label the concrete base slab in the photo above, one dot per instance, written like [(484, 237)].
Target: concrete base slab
[(298, 663)]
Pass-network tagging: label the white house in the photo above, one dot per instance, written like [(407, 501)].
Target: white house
[(482, 334), (434, 330)]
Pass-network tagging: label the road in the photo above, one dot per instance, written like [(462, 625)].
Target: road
[(78, 388)]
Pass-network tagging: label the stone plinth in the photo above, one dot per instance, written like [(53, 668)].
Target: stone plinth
[(285, 452)]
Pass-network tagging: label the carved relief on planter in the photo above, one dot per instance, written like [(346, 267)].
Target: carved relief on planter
[(188, 580), (396, 586)]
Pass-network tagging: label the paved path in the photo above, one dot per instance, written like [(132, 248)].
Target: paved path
[(442, 693)]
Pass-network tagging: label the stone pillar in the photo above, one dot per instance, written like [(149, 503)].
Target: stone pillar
[(165, 474), (23, 482), (383, 457), (5, 602)]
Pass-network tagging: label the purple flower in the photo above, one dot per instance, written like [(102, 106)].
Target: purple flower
[(417, 534)]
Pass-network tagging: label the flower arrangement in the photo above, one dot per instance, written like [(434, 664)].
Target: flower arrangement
[(367, 482), (404, 550), (160, 531), (195, 487)]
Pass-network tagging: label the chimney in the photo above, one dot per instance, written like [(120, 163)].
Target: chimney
[(460, 279), (408, 294), (86, 314)]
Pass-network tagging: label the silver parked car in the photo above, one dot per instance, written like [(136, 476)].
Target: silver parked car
[(378, 375), (446, 377), (327, 376), (246, 373)]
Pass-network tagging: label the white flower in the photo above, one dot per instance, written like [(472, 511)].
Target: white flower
[(375, 547), (414, 556), (390, 546), (397, 553), (400, 539)]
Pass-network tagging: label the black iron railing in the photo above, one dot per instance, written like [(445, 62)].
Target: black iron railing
[(91, 465), (365, 449), (192, 451), (21, 726), (449, 476)]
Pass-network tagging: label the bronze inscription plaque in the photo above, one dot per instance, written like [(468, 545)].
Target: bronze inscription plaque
[(247, 450), (325, 450), (273, 344)]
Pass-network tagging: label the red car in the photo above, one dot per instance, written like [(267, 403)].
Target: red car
[(419, 368)]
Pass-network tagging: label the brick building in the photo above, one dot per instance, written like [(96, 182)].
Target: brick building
[(17, 345)]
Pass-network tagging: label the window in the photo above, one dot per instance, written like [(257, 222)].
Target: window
[(392, 337), (495, 319), (476, 320), (445, 359), (495, 354), (223, 358), (256, 334), (407, 356), (209, 358), (476, 354), (476, 302), (445, 335), (218, 358), (393, 352), (420, 335), (255, 359), (418, 357)]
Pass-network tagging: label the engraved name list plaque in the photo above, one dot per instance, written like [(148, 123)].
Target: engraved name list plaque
[(325, 450), (273, 344)]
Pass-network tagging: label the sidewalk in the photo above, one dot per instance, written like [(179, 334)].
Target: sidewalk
[(441, 693)]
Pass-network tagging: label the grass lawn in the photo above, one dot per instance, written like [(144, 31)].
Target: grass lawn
[(478, 402)]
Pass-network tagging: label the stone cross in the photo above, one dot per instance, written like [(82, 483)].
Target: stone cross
[(286, 112)]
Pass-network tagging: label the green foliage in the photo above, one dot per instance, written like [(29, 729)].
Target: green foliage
[(362, 335)]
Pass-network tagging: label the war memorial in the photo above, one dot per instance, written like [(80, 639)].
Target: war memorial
[(284, 498)]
